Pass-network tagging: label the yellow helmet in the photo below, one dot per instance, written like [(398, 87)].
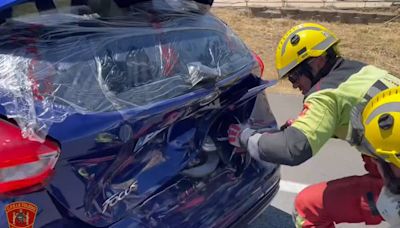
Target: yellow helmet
[(381, 123), (301, 42)]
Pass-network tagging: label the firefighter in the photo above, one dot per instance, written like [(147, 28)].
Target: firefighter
[(376, 132), (308, 56)]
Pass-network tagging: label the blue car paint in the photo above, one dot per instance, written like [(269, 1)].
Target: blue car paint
[(103, 154), (7, 3), (89, 171)]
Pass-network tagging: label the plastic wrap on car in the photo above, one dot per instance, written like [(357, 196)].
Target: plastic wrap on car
[(57, 64)]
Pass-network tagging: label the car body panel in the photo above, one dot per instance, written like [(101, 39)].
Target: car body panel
[(93, 169), (133, 162)]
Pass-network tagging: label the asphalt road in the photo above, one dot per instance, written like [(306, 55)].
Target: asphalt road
[(336, 159)]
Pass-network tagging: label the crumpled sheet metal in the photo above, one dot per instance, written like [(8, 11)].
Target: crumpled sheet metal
[(57, 64)]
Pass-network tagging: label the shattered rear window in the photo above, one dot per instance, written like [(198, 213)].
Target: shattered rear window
[(56, 64)]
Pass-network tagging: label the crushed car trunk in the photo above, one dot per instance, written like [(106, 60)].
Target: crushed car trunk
[(57, 64)]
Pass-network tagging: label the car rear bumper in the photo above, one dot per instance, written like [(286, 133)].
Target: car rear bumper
[(262, 203)]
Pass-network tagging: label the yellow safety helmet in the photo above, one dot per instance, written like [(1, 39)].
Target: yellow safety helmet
[(381, 123), (301, 42)]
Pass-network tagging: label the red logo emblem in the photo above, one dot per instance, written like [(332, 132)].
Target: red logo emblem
[(21, 214)]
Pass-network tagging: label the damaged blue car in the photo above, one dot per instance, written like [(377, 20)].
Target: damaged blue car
[(115, 114)]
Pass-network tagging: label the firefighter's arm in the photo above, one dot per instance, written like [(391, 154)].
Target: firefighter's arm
[(304, 138)]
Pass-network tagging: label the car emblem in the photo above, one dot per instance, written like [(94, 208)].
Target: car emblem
[(114, 199), (21, 214)]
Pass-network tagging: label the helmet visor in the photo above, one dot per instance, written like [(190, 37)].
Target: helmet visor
[(301, 69)]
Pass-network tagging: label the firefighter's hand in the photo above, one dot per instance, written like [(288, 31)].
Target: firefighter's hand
[(239, 134)]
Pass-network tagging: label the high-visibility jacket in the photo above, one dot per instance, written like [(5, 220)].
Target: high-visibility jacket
[(326, 112)]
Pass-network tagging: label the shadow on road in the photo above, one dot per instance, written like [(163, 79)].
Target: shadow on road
[(273, 217)]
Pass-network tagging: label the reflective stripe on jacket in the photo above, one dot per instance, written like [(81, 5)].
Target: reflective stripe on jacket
[(326, 113)]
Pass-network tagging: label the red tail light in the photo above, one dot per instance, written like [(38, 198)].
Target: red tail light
[(260, 64), (24, 163)]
